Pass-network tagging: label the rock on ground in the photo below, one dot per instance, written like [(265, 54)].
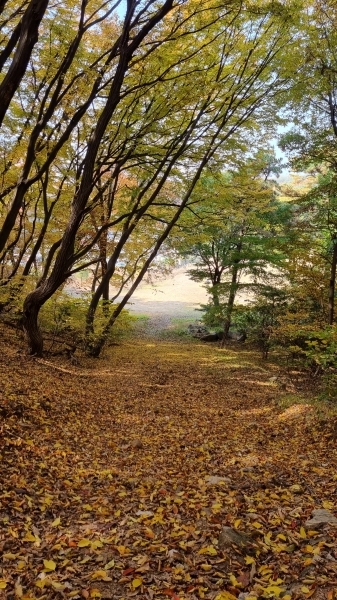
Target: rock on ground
[(321, 516), (229, 536)]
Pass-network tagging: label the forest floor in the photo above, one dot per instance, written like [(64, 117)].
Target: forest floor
[(118, 476)]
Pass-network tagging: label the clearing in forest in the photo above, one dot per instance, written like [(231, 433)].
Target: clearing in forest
[(120, 476)]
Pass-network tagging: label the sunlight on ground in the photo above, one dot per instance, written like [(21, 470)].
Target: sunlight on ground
[(295, 411)]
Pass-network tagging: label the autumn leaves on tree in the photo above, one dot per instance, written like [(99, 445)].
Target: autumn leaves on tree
[(113, 114)]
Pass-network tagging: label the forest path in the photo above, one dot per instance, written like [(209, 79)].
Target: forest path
[(171, 302), (106, 477)]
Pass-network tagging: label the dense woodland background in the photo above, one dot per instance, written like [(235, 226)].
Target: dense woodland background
[(138, 134)]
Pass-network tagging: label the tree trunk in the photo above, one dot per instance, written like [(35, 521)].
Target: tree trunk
[(232, 295), (216, 280), (28, 36), (215, 296), (104, 267), (31, 328), (230, 304), (332, 283)]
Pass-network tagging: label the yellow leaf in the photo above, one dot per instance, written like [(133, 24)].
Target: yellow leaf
[(234, 581), (206, 567), (29, 537), (257, 525), (121, 549), (100, 574), (274, 589), (13, 533), (109, 565), (249, 560), (137, 582), (225, 596), (56, 585), (208, 550), (96, 544), (303, 533), (83, 543), (305, 589), (265, 569), (49, 565), (42, 583), (56, 522), (95, 593), (9, 556), (149, 533), (3, 584)]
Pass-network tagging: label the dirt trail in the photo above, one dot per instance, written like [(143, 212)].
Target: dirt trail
[(169, 301), (105, 490)]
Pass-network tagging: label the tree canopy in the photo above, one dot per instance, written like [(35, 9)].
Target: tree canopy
[(125, 126)]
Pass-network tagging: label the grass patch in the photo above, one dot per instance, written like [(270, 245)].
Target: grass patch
[(323, 408)]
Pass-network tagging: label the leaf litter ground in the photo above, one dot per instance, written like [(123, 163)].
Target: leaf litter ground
[(118, 475)]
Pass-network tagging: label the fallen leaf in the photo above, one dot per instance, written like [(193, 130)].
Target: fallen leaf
[(49, 565), (83, 543)]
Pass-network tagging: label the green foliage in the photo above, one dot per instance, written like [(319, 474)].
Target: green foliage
[(261, 320), (12, 294), (213, 315), (66, 315), (321, 348)]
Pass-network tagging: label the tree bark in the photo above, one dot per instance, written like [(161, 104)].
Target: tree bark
[(31, 328), (216, 280), (232, 294), (28, 36), (332, 283), (231, 300), (8, 49)]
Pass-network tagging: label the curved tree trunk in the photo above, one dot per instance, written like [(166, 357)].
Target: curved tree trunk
[(31, 309), (27, 37)]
